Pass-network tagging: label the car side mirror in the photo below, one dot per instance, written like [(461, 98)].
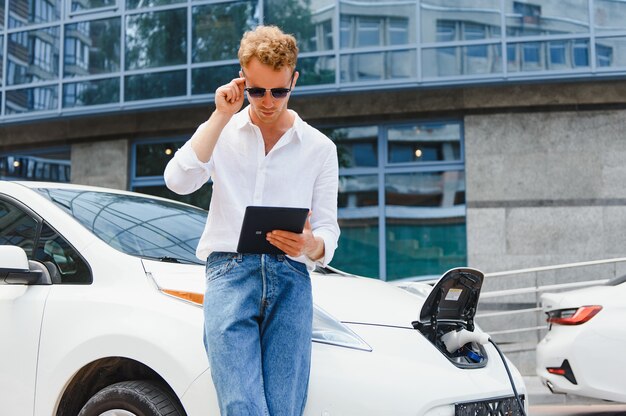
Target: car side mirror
[(15, 269)]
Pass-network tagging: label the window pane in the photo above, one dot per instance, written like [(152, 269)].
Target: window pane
[(425, 223), (356, 146), (1, 61), (153, 157), (541, 56), (157, 85), (78, 5), (207, 80), (28, 12), (103, 91), (136, 4), (609, 15), (449, 20), (366, 23), (156, 39), (135, 225), (217, 29), (462, 60), (358, 219), (378, 66), (311, 24), (17, 228), (611, 52), (546, 17), (1, 14), (318, 70), (92, 47), (428, 142), (51, 247), (200, 198), (34, 56), (52, 166), (32, 99)]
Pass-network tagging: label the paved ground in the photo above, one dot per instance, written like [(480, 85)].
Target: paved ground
[(544, 403)]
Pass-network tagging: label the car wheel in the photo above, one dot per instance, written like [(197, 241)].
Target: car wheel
[(132, 398)]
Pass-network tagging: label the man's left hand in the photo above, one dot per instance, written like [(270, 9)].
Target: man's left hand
[(295, 245)]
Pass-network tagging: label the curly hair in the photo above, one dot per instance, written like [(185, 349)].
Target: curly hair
[(270, 46)]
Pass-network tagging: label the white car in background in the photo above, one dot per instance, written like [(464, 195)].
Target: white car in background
[(583, 352), (100, 314)]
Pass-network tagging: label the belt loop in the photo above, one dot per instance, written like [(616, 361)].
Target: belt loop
[(239, 257)]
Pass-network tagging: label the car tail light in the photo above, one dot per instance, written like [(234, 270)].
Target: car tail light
[(564, 370), (575, 316)]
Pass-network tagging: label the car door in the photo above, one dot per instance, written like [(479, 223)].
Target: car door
[(21, 313)]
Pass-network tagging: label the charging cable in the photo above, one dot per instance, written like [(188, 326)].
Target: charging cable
[(454, 340)]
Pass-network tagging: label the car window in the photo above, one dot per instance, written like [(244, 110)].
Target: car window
[(53, 248), (42, 243), (136, 225), (17, 228)]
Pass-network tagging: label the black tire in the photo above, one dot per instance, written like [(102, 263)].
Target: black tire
[(141, 398)]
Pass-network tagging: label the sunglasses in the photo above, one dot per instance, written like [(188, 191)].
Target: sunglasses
[(277, 93)]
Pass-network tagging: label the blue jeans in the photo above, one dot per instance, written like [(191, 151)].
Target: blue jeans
[(258, 313)]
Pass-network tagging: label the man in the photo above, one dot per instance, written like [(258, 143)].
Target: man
[(258, 308)]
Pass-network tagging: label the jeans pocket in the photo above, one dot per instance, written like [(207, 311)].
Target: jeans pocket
[(297, 267), (218, 264)]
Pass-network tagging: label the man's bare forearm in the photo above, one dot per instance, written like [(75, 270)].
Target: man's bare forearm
[(205, 138)]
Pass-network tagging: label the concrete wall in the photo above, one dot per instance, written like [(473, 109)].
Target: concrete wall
[(545, 188), (102, 163)]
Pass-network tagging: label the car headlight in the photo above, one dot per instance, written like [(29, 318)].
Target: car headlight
[(328, 330)]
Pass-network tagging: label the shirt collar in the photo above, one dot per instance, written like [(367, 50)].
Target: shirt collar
[(242, 119)]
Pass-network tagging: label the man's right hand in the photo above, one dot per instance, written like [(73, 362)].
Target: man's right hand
[(229, 98)]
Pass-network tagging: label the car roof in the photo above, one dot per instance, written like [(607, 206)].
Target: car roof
[(90, 188)]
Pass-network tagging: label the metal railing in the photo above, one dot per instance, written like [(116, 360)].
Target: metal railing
[(515, 315)]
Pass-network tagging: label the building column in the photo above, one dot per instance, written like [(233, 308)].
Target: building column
[(101, 164)]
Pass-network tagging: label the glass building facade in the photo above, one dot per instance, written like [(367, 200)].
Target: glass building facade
[(63, 57), (401, 206)]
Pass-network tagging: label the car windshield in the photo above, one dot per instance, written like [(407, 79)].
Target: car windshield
[(139, 226)]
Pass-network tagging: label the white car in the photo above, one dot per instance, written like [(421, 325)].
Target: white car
[(100, 314), (583, 352)]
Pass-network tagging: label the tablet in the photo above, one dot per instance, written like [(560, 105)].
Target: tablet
[(258, 221)]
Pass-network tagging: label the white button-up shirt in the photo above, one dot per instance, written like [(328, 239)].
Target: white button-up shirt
[(301, 170)]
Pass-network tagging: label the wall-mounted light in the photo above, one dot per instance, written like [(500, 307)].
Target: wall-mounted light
[(169, 151), (16, 164), (418, 153)]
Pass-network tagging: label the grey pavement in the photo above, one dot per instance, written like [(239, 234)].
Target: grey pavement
[(544, 403)]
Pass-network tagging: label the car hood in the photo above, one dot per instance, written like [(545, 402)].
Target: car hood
[(348, 299)]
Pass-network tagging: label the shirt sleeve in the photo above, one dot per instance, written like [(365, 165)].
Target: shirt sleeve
[(324, 206), (184, 173)]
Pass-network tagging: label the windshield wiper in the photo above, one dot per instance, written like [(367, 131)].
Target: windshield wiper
[(169, 259)]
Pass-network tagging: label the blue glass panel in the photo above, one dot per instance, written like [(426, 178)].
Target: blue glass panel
[(29, 12), (207, 80), (155, 85), (217, 29), (427, 142), (92, 47), (378, 66), (367, 24), (356, 146), (462, 60), (317, 70), (310, 22), (547, 55), (81, 94), (546, 17), (31, 100), (609, 15), (425, 223), (357, 212), (34, 56), (611, 52), (156, 39), (456, 20)]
